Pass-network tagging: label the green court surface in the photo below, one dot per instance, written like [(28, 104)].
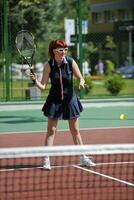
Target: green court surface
[(97, 115)]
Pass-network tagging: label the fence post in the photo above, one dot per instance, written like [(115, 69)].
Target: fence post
[(80, 41), (6, 47)]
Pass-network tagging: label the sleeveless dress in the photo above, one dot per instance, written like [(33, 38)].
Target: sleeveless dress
[(62, 102)]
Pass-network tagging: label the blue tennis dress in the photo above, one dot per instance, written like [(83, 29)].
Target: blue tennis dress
[(62, 102)]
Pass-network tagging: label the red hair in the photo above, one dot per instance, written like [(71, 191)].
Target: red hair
[(55, 44)]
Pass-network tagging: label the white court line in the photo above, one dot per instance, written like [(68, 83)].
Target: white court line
[(63, 166), (34, 167), (19, 107), (104, 175), (115, 163), (97, 164), (19, 168), (63, 130)]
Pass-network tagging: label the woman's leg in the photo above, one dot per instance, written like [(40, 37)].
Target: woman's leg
[(74, 129), (51, 130)]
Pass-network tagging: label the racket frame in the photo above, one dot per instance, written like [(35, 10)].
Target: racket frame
[(30, 63)]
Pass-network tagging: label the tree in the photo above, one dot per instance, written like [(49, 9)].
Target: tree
[(92, 55), (109, 43), (45, 19)]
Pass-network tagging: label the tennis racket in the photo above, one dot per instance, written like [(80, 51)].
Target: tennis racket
[(26, 47)]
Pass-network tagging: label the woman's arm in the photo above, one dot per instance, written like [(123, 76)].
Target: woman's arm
[(78, 75), (45, 77)]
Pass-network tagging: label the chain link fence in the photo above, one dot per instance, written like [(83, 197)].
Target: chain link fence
[(103, 52)]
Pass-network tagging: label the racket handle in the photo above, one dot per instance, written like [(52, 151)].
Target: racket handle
[(34, 82), (32, 71)]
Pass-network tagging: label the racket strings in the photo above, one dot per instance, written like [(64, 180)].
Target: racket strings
[(27, 53), (25, 44), (26, 47)]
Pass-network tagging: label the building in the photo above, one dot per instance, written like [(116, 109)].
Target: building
[(114, 18), (106, 13)]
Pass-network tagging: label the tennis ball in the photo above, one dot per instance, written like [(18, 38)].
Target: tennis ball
[(122, 116)]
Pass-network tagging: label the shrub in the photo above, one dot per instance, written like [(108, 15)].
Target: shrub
[(109, 67), (114, 84), (88, 82)]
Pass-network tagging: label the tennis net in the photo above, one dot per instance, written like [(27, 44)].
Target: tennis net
[(22, 176)]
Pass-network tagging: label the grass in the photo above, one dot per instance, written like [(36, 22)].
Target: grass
[(129, 87), (20, 88), (19, 91), (99, 89)]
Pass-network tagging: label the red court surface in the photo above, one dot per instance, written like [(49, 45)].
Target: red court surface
[(111, 179), (89, 136)]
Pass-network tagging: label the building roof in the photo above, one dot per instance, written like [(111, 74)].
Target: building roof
[(121, 4)]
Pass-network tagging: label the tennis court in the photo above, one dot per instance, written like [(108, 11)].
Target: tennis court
[(99, 36), (108, 140)]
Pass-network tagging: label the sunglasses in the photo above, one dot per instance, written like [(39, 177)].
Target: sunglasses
[(62, 50)]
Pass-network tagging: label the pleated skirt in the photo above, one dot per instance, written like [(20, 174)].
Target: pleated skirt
[(63, 110)]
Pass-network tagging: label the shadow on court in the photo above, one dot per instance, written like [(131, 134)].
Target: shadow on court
[(20, 119)]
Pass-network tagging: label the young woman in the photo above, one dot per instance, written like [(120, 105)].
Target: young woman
[(62, 102)]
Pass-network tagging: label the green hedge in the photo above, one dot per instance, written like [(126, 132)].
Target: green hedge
[(114, 84)]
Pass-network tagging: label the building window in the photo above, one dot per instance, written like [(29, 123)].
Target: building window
[(109, 16), (128, 15), (98, 17), (125, 15)]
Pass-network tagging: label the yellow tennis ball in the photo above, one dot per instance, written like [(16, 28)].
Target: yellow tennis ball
[(122, 116)]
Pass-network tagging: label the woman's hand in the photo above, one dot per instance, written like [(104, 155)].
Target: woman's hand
[(33, 77), (82, 84)]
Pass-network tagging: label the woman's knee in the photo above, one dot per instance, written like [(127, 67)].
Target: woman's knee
[(52, 124), (51, 130), (75, 131), (74, 126)]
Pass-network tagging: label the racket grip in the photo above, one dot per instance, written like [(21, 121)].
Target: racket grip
[(32, 71), (34, 81)]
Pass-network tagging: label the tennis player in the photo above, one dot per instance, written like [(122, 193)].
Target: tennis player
[(62, 102)]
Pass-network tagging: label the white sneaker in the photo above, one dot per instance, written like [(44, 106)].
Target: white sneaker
[(46, 164), (85, 161)]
